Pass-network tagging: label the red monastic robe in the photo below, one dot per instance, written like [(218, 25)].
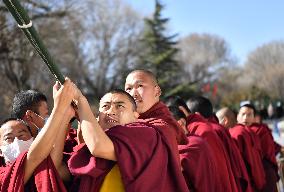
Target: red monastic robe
[(249, 146), (237, 162), (268, 152), (70, 143), (146, 160), (45, 177), (161, 111), (197, 125), (198, 165)]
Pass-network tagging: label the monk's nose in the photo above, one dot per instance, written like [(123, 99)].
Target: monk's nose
[(135, 93), (111, 111)]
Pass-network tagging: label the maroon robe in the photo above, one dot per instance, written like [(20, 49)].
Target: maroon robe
[(161, 111), (145, 157), (198, 165), (44, 178), (268, 152), (88, 171), (237, 162), (70, 142), (197, 125), (249, 146), (2, 161)]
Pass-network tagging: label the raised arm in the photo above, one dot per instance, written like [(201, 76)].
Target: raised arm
[(56, 153), (98, 143), (43, 143)]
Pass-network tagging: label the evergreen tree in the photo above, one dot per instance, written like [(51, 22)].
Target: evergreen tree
[(160, 50)]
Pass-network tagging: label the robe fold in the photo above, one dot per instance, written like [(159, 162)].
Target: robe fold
[(250, 148), (88, 171), (268, 159), (198, 165), (145, 158), (44, 178), (198, 125), (237, 162), (70, 143), (161, 111)]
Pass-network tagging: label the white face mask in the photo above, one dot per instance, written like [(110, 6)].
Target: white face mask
[(13, 150), (44, 119)]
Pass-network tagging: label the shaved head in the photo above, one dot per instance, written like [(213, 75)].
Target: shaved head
[(142, 86), (148, 73), (226, 117)]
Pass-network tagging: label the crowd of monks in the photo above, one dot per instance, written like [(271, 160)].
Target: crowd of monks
[(136, 142)]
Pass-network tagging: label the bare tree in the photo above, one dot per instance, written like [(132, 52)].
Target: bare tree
[(20, 66), (109, 44), (202, 55), (265, 68), (94, 42)]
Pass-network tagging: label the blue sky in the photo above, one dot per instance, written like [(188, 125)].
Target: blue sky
[(244, 24)]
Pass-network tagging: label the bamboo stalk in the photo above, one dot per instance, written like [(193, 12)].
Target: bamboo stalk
[(24, 22)]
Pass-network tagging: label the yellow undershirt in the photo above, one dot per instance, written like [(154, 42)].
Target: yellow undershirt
[(113, 181)]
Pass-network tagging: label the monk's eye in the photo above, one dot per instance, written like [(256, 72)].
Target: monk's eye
[(9, 139), (21, 137), (140, 85), (104, 106), (120, 106), (128, 89)]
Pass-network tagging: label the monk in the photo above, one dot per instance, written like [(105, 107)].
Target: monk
[(246, 118), (31, 106), (122, 153), (204, 107), (34, 164), (197, 160), (226, 117), (142, 85), (197, 125)]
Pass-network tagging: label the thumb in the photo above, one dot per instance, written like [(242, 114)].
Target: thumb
[(56, 87)]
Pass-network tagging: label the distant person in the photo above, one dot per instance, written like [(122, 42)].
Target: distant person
[(246, 117), (197, 160), (236, 165), (250, 147), (197, 125), (271, 111)]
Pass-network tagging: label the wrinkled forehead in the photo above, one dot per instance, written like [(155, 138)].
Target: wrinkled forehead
[(114, 98), (139, 77), (13, 126)]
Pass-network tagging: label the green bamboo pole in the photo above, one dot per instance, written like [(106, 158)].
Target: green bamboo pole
[(24, 22)]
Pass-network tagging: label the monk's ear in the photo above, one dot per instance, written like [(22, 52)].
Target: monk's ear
[(98, 117), (225, 121), (198, 113), (28, 116), (158, 91)]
